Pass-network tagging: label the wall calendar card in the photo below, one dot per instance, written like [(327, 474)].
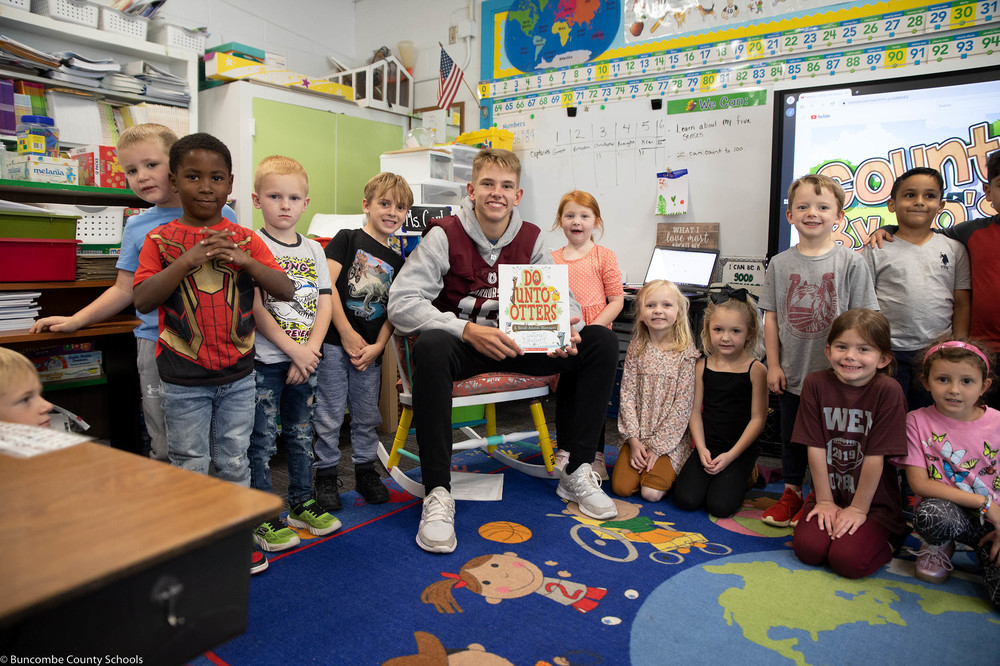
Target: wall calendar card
[(534, 305)]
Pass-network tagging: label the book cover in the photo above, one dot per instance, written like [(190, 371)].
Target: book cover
[(63, 361), (534, 305)]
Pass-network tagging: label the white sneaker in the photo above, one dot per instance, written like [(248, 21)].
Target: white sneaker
[(436, 533), (562, 457), (584, 487), (600, 466)]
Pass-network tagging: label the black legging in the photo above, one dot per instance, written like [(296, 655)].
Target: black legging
[(585, 383)]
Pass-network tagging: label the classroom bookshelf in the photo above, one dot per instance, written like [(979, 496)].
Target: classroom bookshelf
[(49, 35)]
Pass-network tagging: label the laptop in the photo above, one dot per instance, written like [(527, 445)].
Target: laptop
[(691, 270)]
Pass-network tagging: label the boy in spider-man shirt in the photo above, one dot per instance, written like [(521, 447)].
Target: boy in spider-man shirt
[(201, 270)]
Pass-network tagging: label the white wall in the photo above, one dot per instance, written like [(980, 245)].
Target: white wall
[(304, 31), (425, 23)]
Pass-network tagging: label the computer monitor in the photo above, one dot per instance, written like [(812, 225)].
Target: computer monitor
[(691, 270)]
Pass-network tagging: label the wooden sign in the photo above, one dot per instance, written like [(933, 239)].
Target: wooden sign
[(701, 236), (418, 217)]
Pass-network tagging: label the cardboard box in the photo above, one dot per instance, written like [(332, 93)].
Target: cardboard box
[(225, 67), (43, 169), (99, 167), (64, 361)]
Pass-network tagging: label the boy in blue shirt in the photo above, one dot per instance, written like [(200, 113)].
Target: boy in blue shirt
[(288, 351), (362, 266), (143, 153)]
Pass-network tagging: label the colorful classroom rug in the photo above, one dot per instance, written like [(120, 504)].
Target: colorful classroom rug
[(534, 582)]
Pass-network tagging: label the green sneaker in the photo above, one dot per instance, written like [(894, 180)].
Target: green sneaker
[(273, 536), (311, 516)]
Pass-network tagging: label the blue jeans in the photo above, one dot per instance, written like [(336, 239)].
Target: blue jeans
[(908, 376), (295, 404), (211, 424), (342, 385)]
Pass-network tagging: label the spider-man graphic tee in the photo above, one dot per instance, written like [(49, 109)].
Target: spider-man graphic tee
[(206, 325), (807, 294)]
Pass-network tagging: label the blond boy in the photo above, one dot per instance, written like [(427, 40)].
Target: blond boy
[(21, 398), (805, 288), (144, 154), (288, 351), (362, 266), (447, 294)]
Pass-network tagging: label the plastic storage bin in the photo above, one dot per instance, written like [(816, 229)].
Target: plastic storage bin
[(37, 260), (100, 225), (20, 4), (461, 162), (37, 225), (437, 192), (169, 34), (418, 164), (113, 20), (73, 11)]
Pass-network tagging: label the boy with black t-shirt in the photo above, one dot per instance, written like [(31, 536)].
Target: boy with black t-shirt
[(362, 266)]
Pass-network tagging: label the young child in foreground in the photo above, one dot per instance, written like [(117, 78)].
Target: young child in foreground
[(287, 352), (729, 410), (951, 462), (144, 154), (805, 288), (21, 398), (362, 266), (922, 281), (594, 278), (851, 418), (656, 394)]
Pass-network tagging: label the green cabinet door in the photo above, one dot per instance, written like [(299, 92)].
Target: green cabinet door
[(360, 144), (340, 153)]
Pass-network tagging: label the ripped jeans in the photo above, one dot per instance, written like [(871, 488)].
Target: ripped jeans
[(295, 404)]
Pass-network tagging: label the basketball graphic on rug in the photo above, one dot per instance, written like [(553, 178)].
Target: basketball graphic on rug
[(503, 531)]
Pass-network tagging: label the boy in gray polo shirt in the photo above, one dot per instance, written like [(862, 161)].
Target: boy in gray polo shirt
[(923, 284)]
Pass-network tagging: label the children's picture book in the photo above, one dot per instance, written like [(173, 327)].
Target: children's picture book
[(534, 305)]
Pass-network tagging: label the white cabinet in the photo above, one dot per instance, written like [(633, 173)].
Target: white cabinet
[(49, 35)]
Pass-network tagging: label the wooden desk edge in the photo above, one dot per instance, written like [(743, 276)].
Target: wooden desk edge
[(33, 595)]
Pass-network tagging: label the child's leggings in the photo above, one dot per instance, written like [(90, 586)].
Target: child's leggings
[(851, 556), (938, 520)]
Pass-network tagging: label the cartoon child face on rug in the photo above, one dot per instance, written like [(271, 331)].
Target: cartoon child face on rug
[(507, 576)]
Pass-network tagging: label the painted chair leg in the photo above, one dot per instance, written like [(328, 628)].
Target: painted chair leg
[(491, 424), (400, 440), (544, 442)]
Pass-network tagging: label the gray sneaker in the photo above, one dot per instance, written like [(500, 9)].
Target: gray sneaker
[(436, 533), (584, 487)]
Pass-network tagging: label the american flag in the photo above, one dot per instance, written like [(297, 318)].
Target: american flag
[(449, 79)]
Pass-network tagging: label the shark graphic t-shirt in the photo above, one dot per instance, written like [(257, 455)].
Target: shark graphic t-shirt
[(367, 269)]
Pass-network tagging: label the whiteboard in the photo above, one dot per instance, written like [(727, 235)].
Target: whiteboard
[(614, 151)]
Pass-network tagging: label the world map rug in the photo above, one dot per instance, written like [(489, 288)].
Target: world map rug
[(535, 582)]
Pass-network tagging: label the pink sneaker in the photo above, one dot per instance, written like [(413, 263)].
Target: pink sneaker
[(562, 457), (600, 466), (934, 562)]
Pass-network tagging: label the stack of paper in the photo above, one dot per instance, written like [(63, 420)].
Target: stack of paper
[(161, 85), (123, 83), (18, 309), (14, 53), (78, 117), (77, 69)]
